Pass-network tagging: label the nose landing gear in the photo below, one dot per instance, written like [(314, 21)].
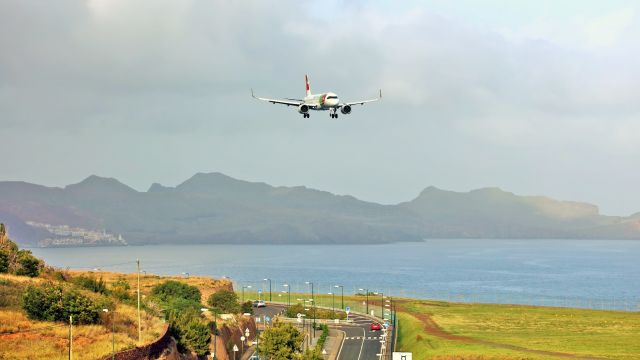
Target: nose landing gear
[(334, 114)]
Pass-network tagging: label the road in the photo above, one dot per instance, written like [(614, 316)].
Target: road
[(360, 343)]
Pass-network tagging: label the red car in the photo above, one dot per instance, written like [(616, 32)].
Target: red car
[(376, 326)]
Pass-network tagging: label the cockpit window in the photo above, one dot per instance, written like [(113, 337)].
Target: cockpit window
[(332, 97)]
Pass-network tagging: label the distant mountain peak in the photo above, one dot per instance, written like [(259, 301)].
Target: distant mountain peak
[(99, 183), (155, 187), (216, 182)]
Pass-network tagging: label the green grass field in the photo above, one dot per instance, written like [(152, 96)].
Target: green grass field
[(586, 333), (489, 331)]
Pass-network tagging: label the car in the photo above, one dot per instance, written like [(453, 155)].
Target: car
[(260, 303), (376, 326)]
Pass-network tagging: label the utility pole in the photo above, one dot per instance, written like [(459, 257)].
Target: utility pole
[(139, 317), (342, 294), (267, 279), (70, 336)]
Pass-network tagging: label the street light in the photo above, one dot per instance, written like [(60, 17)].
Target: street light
[(267, 279), (314, 307), (381, 304), (333, 304), (289, 294), (245, 287), (366, 291), (342, 290), (113, 333)]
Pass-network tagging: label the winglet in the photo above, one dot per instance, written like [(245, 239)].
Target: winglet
[(380, 97), (253, 96)]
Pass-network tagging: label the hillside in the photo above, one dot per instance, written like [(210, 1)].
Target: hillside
[(215, 208)]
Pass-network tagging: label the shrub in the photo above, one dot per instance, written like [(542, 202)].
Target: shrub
[(120, 289), (4, 262), (187, 328), (90, 283), (280, 341), (175, 289), (29, 265), (224, 301), (51, 302), (247, 308), (195, 336)]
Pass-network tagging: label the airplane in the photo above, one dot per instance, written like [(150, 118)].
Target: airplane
[(320, 102)]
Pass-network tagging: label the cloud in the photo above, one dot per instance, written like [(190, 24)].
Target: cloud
[(158, 72)]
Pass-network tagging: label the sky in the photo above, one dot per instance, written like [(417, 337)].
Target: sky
[(535, 97)]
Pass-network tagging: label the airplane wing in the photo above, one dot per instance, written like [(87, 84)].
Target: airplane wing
[(362, 102), (288, 102)]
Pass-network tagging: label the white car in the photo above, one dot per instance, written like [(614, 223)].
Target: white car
[(261, 303)]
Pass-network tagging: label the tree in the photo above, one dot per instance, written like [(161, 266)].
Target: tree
[(195, 336), (187, 327), (281, 341), (51, 302), (247, 308), (29, 265), (224, 301), (175, 289)]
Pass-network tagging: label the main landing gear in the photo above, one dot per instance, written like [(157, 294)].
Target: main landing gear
[(305, 116)]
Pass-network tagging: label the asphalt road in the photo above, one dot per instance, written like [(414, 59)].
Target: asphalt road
[(360, 343)]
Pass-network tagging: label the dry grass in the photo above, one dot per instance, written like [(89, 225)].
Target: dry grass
[(22, 338), (206, 285), (50, 340)]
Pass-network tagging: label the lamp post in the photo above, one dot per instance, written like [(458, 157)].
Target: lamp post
[(341, 293), (289, 294), (314, 307), (366, 291), (269, 280), (113, 333), (381, 304), (333, 304), (245, 287)]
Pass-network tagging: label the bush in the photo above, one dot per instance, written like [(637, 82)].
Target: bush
[(296, 309), (29, 265), (224, 301), (175, 289), (187, 328), (120, 289), (90, 283), (247, 308), (280, 341), (4, 262), (51, 302)]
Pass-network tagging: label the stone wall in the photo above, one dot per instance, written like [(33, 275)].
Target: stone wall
[(147, 352)]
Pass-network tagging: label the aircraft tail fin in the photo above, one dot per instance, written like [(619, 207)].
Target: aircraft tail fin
[(308, 86)]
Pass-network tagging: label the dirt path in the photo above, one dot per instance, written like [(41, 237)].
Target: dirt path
[(432, 328)]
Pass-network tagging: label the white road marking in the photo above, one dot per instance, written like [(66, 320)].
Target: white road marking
[(361, 346), (342, 343)]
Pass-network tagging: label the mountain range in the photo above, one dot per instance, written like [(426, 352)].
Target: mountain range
[(215, 208)]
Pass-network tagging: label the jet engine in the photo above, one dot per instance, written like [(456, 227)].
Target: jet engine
[(303, 109), (346, 109)]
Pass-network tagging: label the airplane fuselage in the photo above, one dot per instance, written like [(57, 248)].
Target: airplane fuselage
[(324, 101)]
